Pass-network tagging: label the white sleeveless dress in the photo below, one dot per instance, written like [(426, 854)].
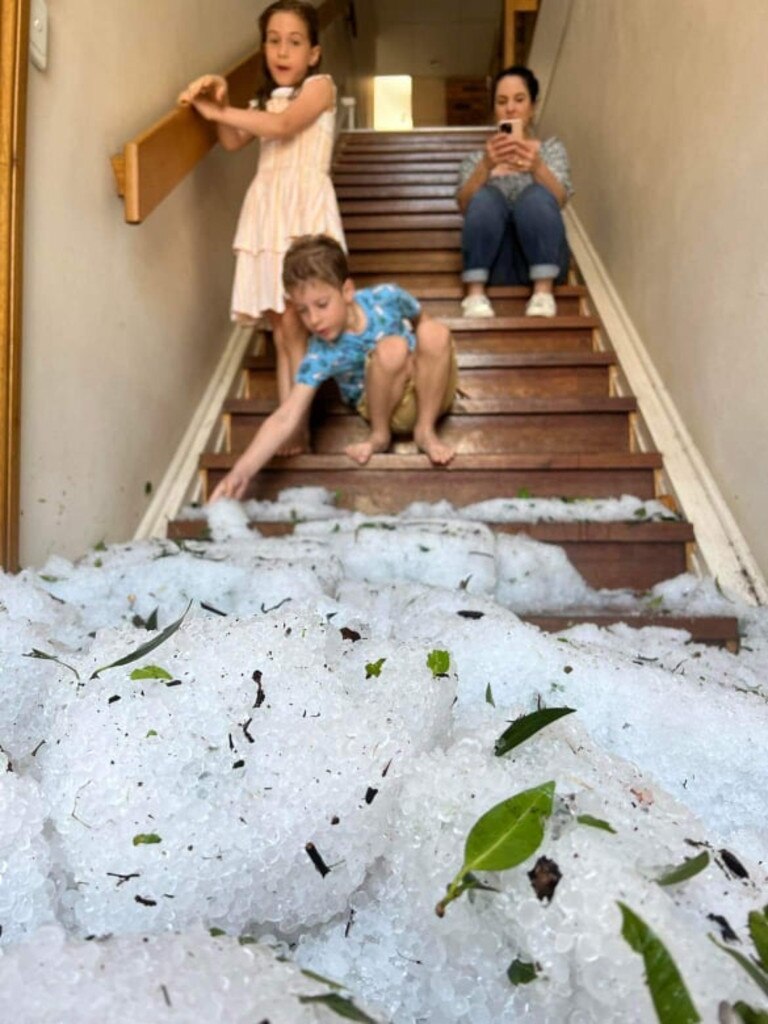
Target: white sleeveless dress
[(291, 195)]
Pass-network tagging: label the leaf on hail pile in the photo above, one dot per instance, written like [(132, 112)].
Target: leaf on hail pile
[(146, 648), (670, 996), (691, 866), (503, 837), (526, 726)]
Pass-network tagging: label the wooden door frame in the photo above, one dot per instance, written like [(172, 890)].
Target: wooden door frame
[(14, 47)]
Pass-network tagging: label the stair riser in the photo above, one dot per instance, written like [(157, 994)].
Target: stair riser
[(395, 262), (380, 242), (375, 177), (490, 341), (415, 191), (373, 490), (599, 432)]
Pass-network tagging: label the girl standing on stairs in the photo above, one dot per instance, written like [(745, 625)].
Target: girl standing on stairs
[(511, 194), (292, 193)]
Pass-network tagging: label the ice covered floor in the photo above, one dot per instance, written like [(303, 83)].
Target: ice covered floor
[(299, 764)]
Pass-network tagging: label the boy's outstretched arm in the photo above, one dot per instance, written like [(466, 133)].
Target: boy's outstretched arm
[(274, 431)]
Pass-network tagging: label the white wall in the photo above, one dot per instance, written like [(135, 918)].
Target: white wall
[(122, 324), (662, 107)]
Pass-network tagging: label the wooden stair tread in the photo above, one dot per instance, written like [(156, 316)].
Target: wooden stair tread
[(460, 325), (456, 291)]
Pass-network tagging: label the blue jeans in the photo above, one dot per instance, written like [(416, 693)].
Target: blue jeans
[(514, 243)]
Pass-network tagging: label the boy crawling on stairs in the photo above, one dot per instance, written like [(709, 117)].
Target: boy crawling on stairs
[(392, 362)]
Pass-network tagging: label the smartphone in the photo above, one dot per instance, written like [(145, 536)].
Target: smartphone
[(513, 128)]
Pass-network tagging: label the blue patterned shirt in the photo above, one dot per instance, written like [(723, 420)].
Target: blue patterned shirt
[(388, 310)]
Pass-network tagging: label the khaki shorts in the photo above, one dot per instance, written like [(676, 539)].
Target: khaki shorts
[(404, 414)]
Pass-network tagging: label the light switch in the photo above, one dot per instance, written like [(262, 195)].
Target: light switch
[(38, 34)]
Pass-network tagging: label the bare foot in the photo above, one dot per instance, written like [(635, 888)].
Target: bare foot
[(296, 445), (438, 453), (363, 450)]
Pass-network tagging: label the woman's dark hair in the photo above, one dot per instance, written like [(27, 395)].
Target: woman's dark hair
[(308, 14), (518, 71)]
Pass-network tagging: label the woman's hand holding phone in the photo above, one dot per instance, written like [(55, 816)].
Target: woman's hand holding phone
[(509, 152)]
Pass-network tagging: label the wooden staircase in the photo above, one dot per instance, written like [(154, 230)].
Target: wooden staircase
[(537, 411)]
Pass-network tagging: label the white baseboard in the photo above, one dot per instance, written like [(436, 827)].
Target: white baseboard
[(179, 481), (721, 544)]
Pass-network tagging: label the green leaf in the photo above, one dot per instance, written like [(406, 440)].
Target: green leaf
[(147, 647), (521, 973), (146, 839), (150, 672), (670, 996), (587, 819), (438, 662), (758, 929), (691, 866), (34, 653), (215, 933), (152, 732), (510, 832), (373, 668), (321, 978), (756, 974), (526, 726), (503, 837), (489, 696), (750, 1016), (247, 940), (340, 1005), (523, 492)]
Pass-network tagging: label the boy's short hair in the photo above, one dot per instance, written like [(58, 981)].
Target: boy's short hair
[(315, 257)]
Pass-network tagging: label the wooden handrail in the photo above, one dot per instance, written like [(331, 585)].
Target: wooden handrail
[(152, 164)]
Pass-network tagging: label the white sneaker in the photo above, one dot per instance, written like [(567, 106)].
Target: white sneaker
[(541, 304), (476, 306)]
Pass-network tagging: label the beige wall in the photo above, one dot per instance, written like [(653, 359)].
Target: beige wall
[(122, 325), (662, 107), (428, 101)]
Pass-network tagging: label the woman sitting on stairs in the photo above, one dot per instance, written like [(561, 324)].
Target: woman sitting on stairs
[(511, 194)]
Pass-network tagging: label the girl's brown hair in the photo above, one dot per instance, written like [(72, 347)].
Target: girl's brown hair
[(308, 14)]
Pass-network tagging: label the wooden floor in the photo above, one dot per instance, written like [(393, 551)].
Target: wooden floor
[(537, 411)]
